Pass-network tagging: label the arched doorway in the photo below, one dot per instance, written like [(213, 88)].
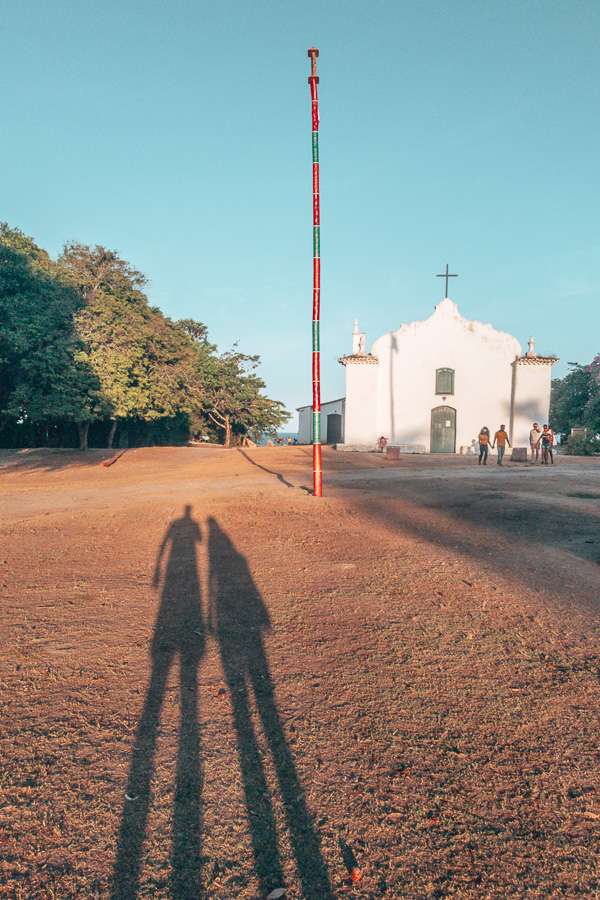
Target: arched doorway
[(443, 429)]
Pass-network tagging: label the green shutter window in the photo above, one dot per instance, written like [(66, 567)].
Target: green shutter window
[(444, 381)]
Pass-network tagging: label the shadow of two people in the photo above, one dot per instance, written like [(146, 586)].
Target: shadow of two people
[(237, 616)]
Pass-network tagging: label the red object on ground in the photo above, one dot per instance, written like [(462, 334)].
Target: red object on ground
[(113, 459)]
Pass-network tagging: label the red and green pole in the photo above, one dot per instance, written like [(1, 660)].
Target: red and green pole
[(313, 81)]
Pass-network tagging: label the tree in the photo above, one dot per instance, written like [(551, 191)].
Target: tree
[(592, 411), (79, 343), (94, 269), (575, 403), (44, 376), (575, 399), (141, 358), (231, 395)]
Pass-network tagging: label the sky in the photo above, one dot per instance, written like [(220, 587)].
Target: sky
[(178, 133)]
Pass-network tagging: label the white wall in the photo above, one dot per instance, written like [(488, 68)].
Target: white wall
[(361, 403), (532, 397), (305, 425), (482, 360)]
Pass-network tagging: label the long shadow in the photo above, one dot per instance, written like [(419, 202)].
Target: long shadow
[(264, 468), (500, 508), (179, 630), (490, 512), (51, 459), (238, 618)]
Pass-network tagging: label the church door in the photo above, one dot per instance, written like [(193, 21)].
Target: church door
[(443, 429), (334, 428)]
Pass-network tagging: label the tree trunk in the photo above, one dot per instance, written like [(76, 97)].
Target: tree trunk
[(227, 426), (83, 429), (111, 436)]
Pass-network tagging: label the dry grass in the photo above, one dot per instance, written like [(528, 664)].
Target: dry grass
[(423, 708)]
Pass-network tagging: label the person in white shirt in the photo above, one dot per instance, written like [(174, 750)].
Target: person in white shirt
[(534, 442)]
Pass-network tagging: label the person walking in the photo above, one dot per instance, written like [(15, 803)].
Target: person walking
[(547, 440), (501, 438), (534, 442), (484, 445)]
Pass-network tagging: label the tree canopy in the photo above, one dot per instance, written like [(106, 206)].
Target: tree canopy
[(142, 359), (80, 343), (44, 375), (575, 399), (233, 396)]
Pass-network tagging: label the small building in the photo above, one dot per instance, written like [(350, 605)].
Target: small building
[(332, 422), (430, 386)]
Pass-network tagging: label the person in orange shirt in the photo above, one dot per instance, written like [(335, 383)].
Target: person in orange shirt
[(501, 438), (484, 444)]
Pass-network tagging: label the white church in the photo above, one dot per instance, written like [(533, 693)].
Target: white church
[(430, 387)]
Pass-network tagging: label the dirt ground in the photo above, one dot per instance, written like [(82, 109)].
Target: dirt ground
[(214, 685)]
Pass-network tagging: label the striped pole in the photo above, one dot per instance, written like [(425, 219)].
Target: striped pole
[(313, 81)]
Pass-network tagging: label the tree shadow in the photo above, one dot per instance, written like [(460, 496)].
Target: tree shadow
[(471, 518), (270, 471), (51, 459), (238, 617), (179, 630)]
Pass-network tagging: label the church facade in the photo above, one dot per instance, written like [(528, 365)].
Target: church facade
[(430, 386)]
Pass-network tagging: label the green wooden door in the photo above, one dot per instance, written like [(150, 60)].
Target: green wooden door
[(443, 429), (334, 428)]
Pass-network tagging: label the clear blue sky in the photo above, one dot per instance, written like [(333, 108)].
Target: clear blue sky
[(452, 131)]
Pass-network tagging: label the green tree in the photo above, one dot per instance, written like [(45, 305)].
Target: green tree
[(95, 269), (141, 358), (574, 399), (79, 342), (44, 376), (231, 395), (592, 410)]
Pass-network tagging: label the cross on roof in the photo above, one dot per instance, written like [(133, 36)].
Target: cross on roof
[(446, 276)]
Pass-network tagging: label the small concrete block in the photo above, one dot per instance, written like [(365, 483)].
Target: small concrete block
[(392, 452), (519, 454), (358, 448), (411, 448)]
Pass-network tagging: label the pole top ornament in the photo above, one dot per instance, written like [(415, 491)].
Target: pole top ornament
[(313, 53)]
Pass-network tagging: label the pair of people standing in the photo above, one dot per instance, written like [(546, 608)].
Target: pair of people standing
[(500, 438), (543, 440)]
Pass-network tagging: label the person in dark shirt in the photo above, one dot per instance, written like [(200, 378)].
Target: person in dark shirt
[(547, 441)]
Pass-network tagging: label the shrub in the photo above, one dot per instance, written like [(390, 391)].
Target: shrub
[(582, 445)]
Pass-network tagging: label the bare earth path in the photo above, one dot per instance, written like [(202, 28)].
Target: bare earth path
[(213, 685)]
